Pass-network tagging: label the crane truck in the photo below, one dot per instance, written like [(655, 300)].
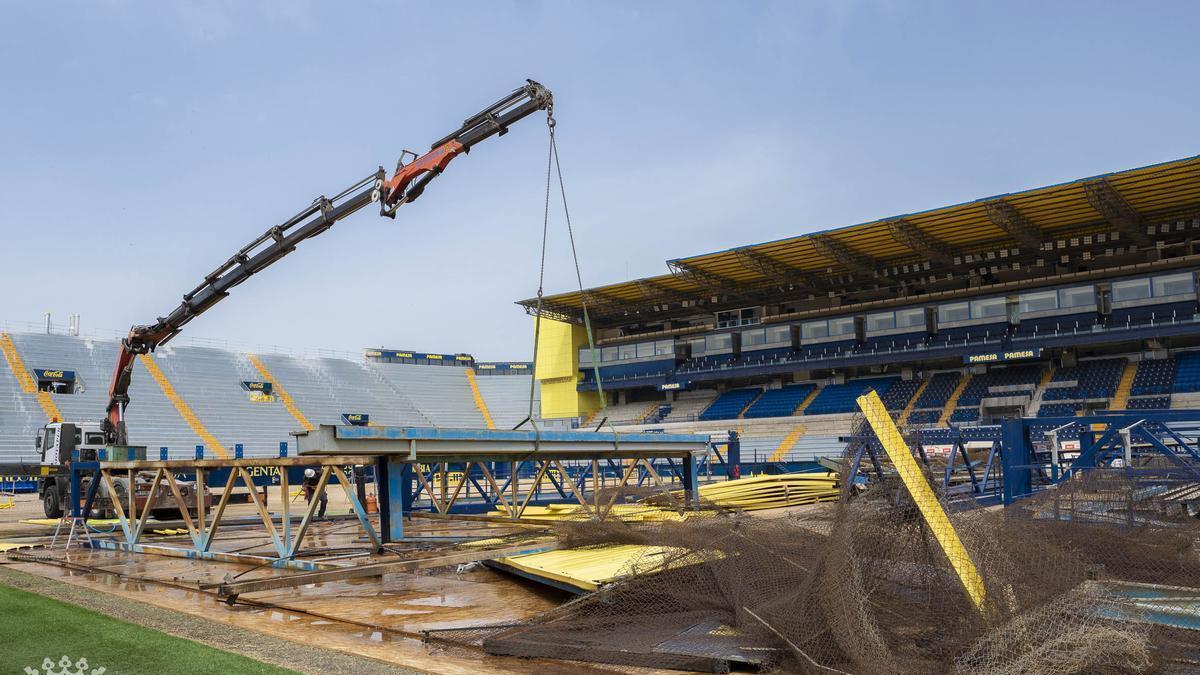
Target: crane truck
[(58, 441)]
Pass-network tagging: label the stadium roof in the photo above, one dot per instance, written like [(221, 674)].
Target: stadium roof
[(1125, 202)]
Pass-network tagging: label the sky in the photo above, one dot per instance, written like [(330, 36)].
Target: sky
[(143, 143)]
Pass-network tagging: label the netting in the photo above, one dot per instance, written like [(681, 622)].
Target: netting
[(1096, 576)]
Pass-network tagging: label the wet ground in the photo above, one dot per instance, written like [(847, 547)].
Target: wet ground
[(380, 617)]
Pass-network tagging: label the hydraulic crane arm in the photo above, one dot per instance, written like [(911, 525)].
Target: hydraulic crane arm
[(405, 185)]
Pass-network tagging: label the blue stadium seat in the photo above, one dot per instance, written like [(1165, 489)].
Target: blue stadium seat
[(1149, 403), (780, 402), (1026, 376), (1154, 377), (729, 405), (941, 386), (840, 398), (1187, 372), (1055, 325), (1095, 379), (1152, 314)]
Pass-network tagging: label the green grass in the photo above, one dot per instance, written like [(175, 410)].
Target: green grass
[(33, 627)]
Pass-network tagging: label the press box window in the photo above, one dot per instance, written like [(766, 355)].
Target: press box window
[(719, 341), (884, 321), (645, 349), (751, 338), (987, 308), (1131, 289), (843, 326), (1080, 296), (1037, 302), (1174, 284), (959, 311), (910, 318), (627, 352), (814, 329), (608, 354), (778, 334), (664, 348)]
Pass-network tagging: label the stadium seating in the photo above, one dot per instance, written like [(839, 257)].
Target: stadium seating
[(941, 386), (730, 404), (1025, 376), (688, 405), (1058, 409), (1095, 379), (1152, 314), (924, 416), (1187, 372), (1054, 325), (1149, 403), (899, 394), (210, 380), (968, 414), (780, 402), (891, 343), (840, 398), (1154, 377)]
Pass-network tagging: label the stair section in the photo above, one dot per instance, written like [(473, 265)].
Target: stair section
[(912, 402), (788, 442), (804, 404), (1121, 399), (28, 386), (641, 419), (289, 403), (479, 402), (185, 411), (952, 402)]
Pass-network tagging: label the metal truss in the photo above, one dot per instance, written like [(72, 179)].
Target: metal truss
[(1006, 217), (907, 234), (1109, 203)]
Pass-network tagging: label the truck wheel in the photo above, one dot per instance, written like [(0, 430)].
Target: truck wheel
[(50, 503)]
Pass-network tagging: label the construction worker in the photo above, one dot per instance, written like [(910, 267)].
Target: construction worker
[(310, 488)]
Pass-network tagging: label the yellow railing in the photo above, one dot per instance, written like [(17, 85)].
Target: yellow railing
[(788, 442), (952, 402), (288, 402), (28, 386), (912, 402), (181, 406), (1121, 400), (478, 396)]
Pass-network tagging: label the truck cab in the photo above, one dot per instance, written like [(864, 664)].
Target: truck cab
[(57, 442)]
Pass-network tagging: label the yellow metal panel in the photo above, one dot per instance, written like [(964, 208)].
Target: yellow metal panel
[(557, 368), (931, 509)]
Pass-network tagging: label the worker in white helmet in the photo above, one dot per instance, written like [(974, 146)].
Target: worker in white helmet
[(310, 488)]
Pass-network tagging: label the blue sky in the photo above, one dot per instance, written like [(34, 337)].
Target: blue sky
[(144, 142)]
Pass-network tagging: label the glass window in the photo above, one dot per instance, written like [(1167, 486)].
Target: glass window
[(645, 349), (988, 307), (1174, 284), (1130, 289), (883, 321), (911, 318), (608, 354), (585, 357), (751, 338), (814, 329), (627, 352), (842, 326), (664, 348), (778, 334), (957, 311), (1079, 296), (1037, 302), (696, 346), (718, 341)]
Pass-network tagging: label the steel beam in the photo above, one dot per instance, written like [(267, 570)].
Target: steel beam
[(713, 282), (858, 263), (907, 234), (1006, 217), (1109, 203)]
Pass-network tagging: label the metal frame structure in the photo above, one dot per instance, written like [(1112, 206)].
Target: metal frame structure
[(476, 455), (1121, 441), (287, 540), (984, 483)]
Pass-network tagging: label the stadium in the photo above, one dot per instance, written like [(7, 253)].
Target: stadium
[(554, 410), (1066, 312)]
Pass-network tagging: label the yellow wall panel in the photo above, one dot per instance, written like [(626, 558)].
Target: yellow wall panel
[(557, 368)]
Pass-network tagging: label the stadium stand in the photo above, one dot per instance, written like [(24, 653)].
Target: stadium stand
[(1018, 378), (1058, 409), (688, 405), (900, 393), (941, 385), (1093, 380), (730, 404), (1187, 373), (840, 398), (1149, 403), (1154, 377), (780, 402), (210, 382)]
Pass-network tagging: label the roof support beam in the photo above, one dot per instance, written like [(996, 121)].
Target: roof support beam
[(907, 234), (717, 284), (1006, 217), (777, 271), (1119, 213), (836, 251), (656, 292)]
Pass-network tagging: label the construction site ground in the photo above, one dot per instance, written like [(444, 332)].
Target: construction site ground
[(355, 625)]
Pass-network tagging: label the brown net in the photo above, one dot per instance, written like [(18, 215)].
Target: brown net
[(1075, 580)]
